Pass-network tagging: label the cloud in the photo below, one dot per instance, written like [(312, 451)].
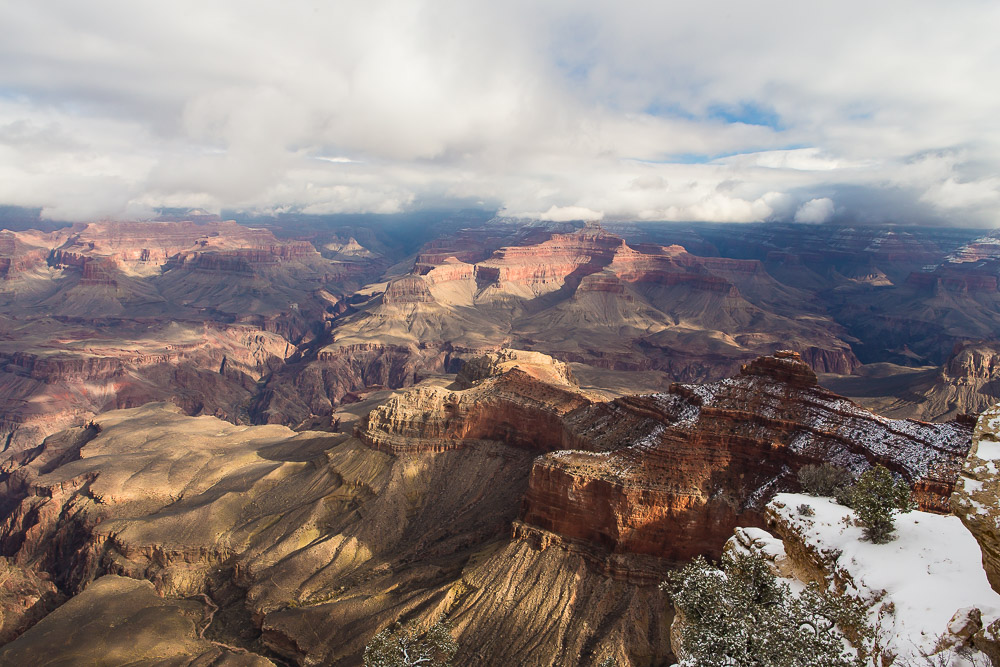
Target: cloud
[(643, 109), (561, 214), (815, 211)]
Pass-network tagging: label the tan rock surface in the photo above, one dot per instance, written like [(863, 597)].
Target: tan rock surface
[(120, 621), (26, 596), (316, 539)]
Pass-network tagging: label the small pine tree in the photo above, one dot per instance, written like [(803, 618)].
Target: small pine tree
[(742, 614), (876, 498), (406, 646)]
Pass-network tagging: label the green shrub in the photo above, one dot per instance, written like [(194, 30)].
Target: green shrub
[(824, 480), (876, 498), (742, 614)]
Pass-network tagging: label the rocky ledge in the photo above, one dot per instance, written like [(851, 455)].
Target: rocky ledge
[(977, 493), (508, 403), (673, 474)]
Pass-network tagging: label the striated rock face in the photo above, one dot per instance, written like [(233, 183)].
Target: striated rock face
[(583, 297), (318, 541), (408, 289), (540, 366), (203, 368), (965, 385), (976, 500), (672, 474), (513, 408), (311, 389)]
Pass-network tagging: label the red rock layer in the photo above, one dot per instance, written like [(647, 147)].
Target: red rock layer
[(408, 289), (672, 474), (513, 408)]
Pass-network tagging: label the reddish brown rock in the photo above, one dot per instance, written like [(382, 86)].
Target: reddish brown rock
[(672, 474), (408, 289), (513, 408)]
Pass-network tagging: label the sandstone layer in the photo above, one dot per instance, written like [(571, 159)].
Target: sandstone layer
[(47, 384), (672, 474), (583, 297)]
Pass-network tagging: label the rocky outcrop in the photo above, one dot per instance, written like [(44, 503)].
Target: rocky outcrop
[(312, 387), (408, 289), (513, 408), (965, 385), (319, 541), (540, 366), (976, 500), (672, 474), (26, 596)]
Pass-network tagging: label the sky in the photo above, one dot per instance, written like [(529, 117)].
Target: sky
[(738, 111)]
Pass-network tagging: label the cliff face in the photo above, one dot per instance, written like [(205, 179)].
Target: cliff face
[(513, 408), (965, 385), (977, 493), (586, 297), (204, 369), (673, 474), (319, 541)]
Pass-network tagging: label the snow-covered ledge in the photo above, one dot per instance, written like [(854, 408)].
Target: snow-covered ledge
[(976, 500), (927, 590)]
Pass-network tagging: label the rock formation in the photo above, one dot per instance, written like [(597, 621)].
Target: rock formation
[(511, 396), (586, 297), (966, 384), (317, 540), (47, 385), (672, 474), (976, 500)]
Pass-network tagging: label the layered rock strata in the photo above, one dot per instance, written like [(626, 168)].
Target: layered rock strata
[(513, 408), (317, 541), (672, 474)]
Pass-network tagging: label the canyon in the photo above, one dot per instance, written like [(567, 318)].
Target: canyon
[(273, 439), (507, 491)]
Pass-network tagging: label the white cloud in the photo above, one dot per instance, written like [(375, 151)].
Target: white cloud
[(733, 111), (562, 214), (815, 211)]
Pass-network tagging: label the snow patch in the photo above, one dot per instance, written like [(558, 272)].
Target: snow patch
[(931, 570)]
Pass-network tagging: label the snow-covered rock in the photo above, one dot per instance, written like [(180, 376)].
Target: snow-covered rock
[(976, 500), (927, 590)]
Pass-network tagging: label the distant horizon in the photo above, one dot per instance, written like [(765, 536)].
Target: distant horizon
[(16, 218)]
